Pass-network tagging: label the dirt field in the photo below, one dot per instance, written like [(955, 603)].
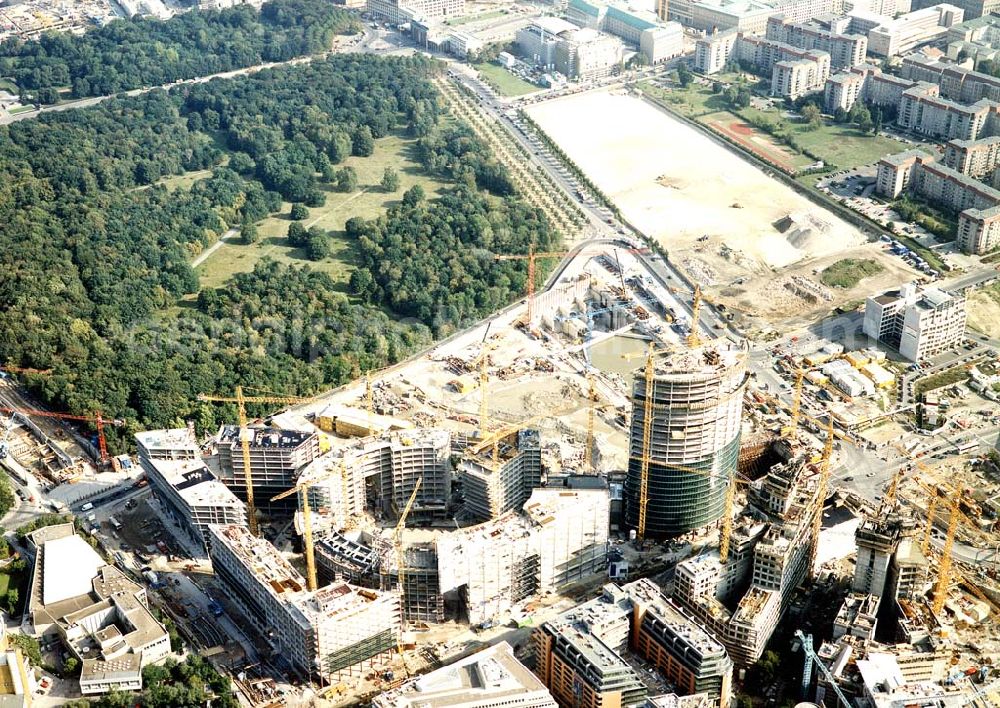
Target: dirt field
[(761, 145), (984, 311), (755, 242)]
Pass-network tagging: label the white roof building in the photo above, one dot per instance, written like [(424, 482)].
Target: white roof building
[(69, 565)]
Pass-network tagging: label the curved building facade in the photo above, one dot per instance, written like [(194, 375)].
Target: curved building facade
[(697, 412)]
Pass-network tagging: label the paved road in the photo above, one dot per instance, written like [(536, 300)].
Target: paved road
[(203, 256)]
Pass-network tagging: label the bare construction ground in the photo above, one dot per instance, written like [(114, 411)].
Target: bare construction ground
[(754, 241)]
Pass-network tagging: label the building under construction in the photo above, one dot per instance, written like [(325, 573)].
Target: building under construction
[(380, 473), (498, 476), (696, 409), (328, 632), (742, 600), (482, 573), (276, 457)]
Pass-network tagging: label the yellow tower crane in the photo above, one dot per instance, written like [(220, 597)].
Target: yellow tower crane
[(944, 565), (588, 451), (793, 423), (397, 543), (307, 535), (693, 338), (241, 402), (530, 257), (821, 491)]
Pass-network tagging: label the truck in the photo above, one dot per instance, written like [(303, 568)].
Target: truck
[(151, 576), (87, 507)]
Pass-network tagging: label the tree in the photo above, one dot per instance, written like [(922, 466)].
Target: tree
[(318, 246), (390, 180), (299, 212), (297, 235), (812, 115), (70, 667), (413, 196), (28, 646), (362, 283), (362, 143), (717, 87), (684, 75), (248, 233), (347, 179)]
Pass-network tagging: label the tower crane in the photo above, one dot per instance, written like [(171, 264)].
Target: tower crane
[(588, 451), (693, 338), (812, 659), (397, 543), (821, 491), (302, 488), (793, 424), (369, 401), (530, 257), (241, 402), (97, 419), (944, 565)]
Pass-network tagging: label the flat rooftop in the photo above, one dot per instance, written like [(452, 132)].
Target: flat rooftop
[(682, 624), (168, 439), (707, 360), (492, 676), (266, 437), (195, 483)]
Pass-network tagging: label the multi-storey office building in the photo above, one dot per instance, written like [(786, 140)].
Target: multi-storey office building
[(494, 486), (327, 632), (696, 405)]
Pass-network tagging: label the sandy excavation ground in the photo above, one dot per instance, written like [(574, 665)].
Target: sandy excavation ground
[(724, 221), (984, 311)]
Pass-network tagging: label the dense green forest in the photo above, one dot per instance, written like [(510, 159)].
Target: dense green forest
[(142, 52), (96, 252)]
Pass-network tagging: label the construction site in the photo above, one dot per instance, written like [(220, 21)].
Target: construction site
[(496, 481)]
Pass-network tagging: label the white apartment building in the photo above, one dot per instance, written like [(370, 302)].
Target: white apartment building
[(845, 50), (919, 323), (587, 54), (979, 230), (794, 79), (712, 52), (328, 632)]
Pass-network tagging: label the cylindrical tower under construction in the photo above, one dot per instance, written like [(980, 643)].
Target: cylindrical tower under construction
[(694, 439)]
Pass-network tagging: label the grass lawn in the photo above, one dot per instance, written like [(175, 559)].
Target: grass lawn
[(504, 82), (945, 378), (848, 272), (4, 584), (368, 202), (184, 181), (20, 109), (694, 101), (8, 86), (475, 18)]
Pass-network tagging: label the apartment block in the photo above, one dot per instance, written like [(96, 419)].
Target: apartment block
[(276, 457), (656, 39), (923, 111), (842, 91), (746, 16), (580, 654), (587, 54), (491, 678), (979, 230), (498, 477), (894, 172), (796, 78), (328, 632), (712, 52), (950, 189), (975, 158), (845, 50), (919, 323)]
